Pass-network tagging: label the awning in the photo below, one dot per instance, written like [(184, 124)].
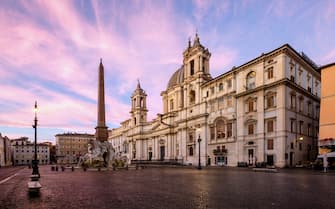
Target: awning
[(329, 154)]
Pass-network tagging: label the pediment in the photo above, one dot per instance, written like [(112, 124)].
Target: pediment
[(158, 126)]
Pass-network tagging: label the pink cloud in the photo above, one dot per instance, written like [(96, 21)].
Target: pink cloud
[(222, 60), (65, 51)]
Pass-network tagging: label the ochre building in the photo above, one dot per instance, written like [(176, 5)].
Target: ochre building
[(70, 146), (327, 114)]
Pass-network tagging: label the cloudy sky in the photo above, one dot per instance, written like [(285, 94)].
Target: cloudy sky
[(50, 51)]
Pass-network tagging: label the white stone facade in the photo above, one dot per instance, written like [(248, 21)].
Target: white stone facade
[(23, 152), (265, 110)]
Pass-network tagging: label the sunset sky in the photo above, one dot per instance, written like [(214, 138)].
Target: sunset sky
[(50, 52)]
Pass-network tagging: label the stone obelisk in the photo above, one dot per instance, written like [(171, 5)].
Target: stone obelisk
[(101, 132)]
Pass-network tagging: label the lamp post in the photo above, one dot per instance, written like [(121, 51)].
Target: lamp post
[(35, 161), (199, 163)]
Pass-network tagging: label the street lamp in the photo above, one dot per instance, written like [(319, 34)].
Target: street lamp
[(199, 140), (35, 161)]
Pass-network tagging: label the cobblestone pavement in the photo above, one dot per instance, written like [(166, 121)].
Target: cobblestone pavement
[(8, 171), (172, 188)]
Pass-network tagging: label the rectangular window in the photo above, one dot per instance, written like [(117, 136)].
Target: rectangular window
[(270, 101), (309, 130), (300, 104), (292, 101), (270, 144), (221, 102), (212, 130), (190, 138), (229, 101), (292, 125), (270, 72), (309, 108), (251, 107), (270, 124), (301, 127), (212, 90), (213, 105), (203, 64), (192, 67), (229, 83), (251, 129), (229, 129), (171, 104), (221, 87), (299, 76), (300, 146), (190, 150)]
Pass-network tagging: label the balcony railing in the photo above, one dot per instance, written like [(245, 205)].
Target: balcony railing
[(220, 151)]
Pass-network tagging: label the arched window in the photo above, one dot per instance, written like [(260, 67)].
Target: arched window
[(192, 97), (220, 129), (251, 78)]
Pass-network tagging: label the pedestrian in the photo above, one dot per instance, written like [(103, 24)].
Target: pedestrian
[(325, 163)]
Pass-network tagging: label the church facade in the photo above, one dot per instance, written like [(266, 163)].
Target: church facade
[(266, 110)]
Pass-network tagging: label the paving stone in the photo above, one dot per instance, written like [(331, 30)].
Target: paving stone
[(172, 188)]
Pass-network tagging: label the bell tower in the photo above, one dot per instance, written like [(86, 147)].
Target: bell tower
[(139, 106), (196, 60), (196, 71)]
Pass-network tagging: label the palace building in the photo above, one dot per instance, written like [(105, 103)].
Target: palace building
[(23, 152), (266, 110), (70, 146), (327, 113)]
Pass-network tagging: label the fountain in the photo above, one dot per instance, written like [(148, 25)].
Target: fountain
[(102, 155)]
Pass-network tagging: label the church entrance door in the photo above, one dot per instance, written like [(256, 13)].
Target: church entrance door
[(162, 152)]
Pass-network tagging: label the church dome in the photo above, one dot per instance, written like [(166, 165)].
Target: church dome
[(176, 78)]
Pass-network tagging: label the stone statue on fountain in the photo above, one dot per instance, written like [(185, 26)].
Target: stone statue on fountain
[(100, 154)]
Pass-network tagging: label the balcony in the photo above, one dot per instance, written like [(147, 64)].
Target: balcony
[(220, 152)]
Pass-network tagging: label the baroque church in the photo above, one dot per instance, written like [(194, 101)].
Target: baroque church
[(264, 111)]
